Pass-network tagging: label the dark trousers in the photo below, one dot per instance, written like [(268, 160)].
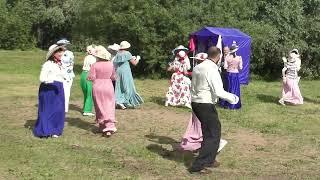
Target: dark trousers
[(211, 131)]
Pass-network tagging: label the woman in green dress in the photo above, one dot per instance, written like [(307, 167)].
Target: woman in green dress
[(126, 94), (85, 84)]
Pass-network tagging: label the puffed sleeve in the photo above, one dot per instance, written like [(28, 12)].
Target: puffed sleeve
[(45, 73)]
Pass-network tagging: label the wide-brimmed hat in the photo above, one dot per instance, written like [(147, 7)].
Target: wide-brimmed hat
[(179, 48), (52, 49), (102, 53), (201, 56), (125, 45), (63, 42), (295, 51), (293, 55), (115, 47), (234, 47), (91, 49)]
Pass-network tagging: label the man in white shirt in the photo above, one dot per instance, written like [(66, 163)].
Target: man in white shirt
[(206, 88)]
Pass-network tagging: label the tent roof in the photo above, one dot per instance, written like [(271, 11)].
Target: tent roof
[(209, 31)]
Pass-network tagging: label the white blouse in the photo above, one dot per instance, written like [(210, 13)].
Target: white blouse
[(50, 72), (207, 86), (88, 61)]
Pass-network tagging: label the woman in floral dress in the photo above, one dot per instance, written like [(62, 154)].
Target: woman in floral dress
[(179, 89)]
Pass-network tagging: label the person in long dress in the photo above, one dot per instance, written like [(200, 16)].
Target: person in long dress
[(67, 61), (290, 90), (51, 112), (101, 74), (126, 94), (85, 84), (192, 138), (233, 64), (179, 90)]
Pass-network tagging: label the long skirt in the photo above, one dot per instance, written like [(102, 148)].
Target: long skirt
[(86, 87), (233, 86), (179, 91), (51, 112), (291, 92), (125, 89), (104, 103), (192, 138)]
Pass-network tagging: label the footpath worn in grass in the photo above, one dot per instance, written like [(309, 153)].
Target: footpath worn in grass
[(266, 140)]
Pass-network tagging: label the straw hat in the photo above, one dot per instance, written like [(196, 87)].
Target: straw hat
[(234, 47), (115, 47), (63, 42), (102, 53), (52, 49), (201, 56), (179, 48), (91, 49), (124, 45)]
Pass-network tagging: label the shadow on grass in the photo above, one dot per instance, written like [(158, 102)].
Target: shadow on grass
[(29, 124), (158, 100), (74, 107), (267, 98), (173, 155), (81, 124), (76, 122), (314, 101)]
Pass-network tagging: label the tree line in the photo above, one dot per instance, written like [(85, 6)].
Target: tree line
[(155, 27)]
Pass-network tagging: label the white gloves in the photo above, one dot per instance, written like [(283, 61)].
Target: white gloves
[(235, 101), (138, 59)]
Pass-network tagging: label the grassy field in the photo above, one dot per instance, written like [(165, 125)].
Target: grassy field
[(266, 140)]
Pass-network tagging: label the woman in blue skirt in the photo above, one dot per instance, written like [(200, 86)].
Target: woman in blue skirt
[(51, 107), (233, 64)]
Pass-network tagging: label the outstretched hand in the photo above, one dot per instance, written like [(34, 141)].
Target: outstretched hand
[(284, 59), (138, 59)]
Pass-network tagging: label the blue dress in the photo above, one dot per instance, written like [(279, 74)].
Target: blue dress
[(51, 113), (125, 89)]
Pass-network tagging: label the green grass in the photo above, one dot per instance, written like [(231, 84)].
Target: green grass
[(266, 140)]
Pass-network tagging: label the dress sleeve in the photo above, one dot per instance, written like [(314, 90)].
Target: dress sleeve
[(92, 73), (187, 63), (216, 86), (240, 63), (113, 75), (45, 73), (225, 64)]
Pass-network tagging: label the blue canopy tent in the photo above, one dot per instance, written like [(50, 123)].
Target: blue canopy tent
[(201, 40)]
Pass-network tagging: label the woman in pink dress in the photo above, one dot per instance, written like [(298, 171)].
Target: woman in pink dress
[(291, 92), (102, 74)]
